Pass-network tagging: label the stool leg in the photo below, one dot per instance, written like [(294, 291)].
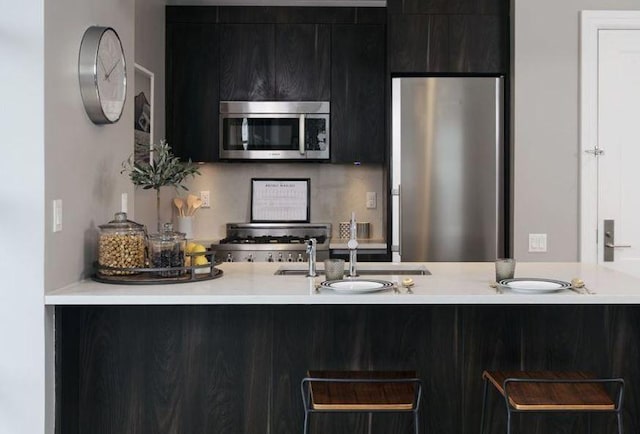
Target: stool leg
[(508, 421), (588, 423), (619, 417), (306, 421), (484, 404), (416, 421)]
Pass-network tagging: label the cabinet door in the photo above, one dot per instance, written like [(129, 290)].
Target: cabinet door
[(357, 93), (418, 43), (479, 43), (192, 90), (247, 62), (302, 62)]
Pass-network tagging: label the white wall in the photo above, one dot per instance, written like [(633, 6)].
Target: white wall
[(82, 160), (546, 130), (22, 313)]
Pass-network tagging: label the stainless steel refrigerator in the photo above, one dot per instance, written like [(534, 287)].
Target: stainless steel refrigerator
[(447, 169)]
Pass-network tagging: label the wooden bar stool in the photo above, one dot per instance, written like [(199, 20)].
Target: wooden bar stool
[(361, 392), (548, 391)]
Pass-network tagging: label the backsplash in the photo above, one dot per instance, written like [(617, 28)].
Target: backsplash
[(336, 190)]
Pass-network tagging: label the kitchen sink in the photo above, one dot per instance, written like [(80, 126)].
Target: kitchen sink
[(366, 269)]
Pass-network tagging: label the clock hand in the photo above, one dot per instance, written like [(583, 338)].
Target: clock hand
[(106, 76), (111, 70)]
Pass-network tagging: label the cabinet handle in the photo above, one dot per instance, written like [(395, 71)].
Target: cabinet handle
[(301, 139)]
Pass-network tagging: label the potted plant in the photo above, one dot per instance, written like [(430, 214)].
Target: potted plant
[(162, 169)]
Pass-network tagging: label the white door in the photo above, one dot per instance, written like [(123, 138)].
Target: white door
[(619, 138), (611, 162)]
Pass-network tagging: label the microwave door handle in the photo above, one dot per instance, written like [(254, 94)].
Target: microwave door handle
[(301, 139), (245, 133)]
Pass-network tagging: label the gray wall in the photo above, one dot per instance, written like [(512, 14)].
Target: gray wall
[(149, 48), (336, 190), (22, 313), (546, 130), (82, 160)]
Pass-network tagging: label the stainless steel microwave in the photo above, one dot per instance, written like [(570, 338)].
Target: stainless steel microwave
[(274, 130)]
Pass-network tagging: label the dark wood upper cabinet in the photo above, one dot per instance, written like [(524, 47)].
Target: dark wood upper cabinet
[(439, 7), (247, 63), (302, 62), (418, 43), (283, 62), (448, 44), (192, 90), (358, 93), (478, 43)]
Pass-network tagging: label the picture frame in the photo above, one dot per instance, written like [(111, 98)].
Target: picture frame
[(143, 119), (277, 200)]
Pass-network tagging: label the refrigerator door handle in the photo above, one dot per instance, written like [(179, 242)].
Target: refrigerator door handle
[(400, 221)]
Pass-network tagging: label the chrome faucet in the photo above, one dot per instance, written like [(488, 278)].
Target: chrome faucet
[(353, 247), (311, 252)]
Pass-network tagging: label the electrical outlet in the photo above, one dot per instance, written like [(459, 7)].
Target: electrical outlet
[(371, 200), (204, 196), (537, 243), (57, 215)]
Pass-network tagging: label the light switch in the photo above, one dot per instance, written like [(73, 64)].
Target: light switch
[(537, 243), (124, 202), (371, 200), (57, 215), (205, 198)]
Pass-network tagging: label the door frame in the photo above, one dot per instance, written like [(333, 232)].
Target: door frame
[(591, 22)]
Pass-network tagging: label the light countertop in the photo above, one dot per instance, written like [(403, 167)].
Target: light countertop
[(450, 283)]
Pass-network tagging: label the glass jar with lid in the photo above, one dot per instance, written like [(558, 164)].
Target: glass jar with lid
[(166, 250), (121, 244)]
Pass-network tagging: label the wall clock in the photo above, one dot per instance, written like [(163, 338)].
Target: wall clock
[(102, 73)]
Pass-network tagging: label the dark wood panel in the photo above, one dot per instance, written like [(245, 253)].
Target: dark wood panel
[(237, 369), (192, 83), (277, 14), (192, 14), (302, 62), (247, 64), (478, 43), (357, 93), (472, 7), (418, 43)]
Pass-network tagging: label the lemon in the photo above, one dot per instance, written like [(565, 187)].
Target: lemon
[(200, 260), (197, 248), (190, 246)]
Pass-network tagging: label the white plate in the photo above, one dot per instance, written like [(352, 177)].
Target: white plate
[(356, 286), (534, 285)]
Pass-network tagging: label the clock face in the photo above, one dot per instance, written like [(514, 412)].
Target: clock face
[(111, 76), (102, 74)]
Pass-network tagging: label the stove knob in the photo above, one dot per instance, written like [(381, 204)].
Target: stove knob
[(250, 257), (229, 257), (290, 258), (300, 258), (270, 257), (280, 257)]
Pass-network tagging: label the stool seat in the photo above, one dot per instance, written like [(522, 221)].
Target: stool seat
[(361, 391), (376, 395), (550, 396)]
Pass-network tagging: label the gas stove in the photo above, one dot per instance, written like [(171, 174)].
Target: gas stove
[(272, 242)]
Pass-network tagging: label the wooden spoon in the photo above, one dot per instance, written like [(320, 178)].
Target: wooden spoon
[(179, 203), (196, 204), (190, 201)]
